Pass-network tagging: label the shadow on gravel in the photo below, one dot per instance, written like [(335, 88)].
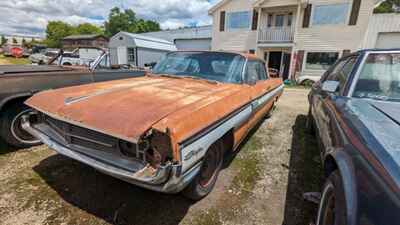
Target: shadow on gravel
[(108, 198), (305, 175), (5, 148)]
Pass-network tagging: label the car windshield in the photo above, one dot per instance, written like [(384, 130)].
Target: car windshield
[(214, 66), (380, 77)]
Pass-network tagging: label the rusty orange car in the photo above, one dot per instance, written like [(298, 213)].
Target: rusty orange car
[(167, 131)]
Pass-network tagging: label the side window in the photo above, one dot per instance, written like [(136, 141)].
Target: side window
[(346, 71), (262, 71), (342, 71), (251, 75)]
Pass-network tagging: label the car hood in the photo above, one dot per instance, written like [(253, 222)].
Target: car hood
[(382, 120), (23, 69), (127, 108)]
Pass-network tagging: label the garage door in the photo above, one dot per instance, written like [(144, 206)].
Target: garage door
[(388, 40)]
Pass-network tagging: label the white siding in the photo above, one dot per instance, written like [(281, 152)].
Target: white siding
[(381, 23), (233, 40), (193, 44), (333, 38)]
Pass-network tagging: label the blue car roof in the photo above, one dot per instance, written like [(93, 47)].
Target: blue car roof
[(378, 50)]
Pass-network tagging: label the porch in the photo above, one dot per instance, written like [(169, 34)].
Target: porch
[(277, 24)]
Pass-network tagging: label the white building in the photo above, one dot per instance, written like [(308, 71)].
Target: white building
[(383, 31), (191, 38), (300, 38), (138, 50)]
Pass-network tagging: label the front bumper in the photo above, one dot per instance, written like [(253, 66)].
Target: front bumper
[(165, 179)]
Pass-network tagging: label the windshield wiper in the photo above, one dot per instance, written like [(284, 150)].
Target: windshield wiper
[(189, 77), (199, 78)]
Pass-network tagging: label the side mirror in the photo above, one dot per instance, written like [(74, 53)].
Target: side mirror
[(330, 86)]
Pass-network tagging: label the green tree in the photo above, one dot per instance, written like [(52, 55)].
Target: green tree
[(387, 6), (88, 28), (56, 31), (3, 40), (126, 21), (14, 40)]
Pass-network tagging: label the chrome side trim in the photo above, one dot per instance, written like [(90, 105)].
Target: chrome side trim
[(201, 145)]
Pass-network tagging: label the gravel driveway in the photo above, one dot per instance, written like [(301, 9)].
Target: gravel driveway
[(263, 184)]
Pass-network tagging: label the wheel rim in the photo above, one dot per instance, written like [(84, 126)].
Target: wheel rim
[(326, 212), (209, 168), (19, 133)]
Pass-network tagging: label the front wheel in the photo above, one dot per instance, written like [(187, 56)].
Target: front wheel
[(332, 208), (11, 127), (205, 181)]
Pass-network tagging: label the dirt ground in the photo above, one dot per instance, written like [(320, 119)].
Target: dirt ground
[(263, 184)]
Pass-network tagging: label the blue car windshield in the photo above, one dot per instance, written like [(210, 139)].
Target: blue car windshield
[(380, 77), (213, 66)]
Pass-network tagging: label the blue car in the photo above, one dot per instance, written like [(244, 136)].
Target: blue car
[(355, 113)]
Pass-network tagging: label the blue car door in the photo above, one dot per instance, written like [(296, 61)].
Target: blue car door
[(324, 103)]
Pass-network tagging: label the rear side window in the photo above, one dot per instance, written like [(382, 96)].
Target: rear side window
[(380, 77), (255, 71)]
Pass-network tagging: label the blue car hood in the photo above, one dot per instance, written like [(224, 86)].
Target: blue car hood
[(382, 121)]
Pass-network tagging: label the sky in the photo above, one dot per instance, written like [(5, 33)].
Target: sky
[(30, 17)]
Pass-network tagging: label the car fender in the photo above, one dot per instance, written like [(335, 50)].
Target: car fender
[(4, 101), (347, 172)]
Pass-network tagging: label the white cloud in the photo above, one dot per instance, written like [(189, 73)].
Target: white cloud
[(31, 16)]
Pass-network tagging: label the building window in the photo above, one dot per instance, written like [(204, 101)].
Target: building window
[(290, 19), (239, 20), (330, 14), (131, 55), (222, 21), (320, 60), (279, 20), (270, 16)]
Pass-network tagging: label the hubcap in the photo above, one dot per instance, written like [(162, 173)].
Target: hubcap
[(19, 133)]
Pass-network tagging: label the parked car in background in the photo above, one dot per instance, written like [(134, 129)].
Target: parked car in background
[(15, 50), (17, 83), (81, 56), (355, 111), (167, 131), (44, 56)]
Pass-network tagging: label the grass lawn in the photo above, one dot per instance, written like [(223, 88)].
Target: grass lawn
[(13, 61)]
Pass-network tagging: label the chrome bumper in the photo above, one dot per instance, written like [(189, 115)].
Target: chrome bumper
[(166, 179)]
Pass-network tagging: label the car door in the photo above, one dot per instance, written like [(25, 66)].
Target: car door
[(324, 103), (261, 85)]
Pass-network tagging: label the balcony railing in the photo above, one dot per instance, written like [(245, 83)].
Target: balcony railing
[(276, 35)]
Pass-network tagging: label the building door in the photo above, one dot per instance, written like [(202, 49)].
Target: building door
[(275, 60), (286, 65)]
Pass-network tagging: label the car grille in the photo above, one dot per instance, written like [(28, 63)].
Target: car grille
[(82, 137)]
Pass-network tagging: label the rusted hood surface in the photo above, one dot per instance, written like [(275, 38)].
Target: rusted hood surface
[(126, 108)]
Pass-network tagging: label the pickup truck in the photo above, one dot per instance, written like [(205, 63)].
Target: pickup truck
[(19, 82)]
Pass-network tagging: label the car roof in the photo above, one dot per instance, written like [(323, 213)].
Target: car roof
[(246, 55), (379, 50)]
